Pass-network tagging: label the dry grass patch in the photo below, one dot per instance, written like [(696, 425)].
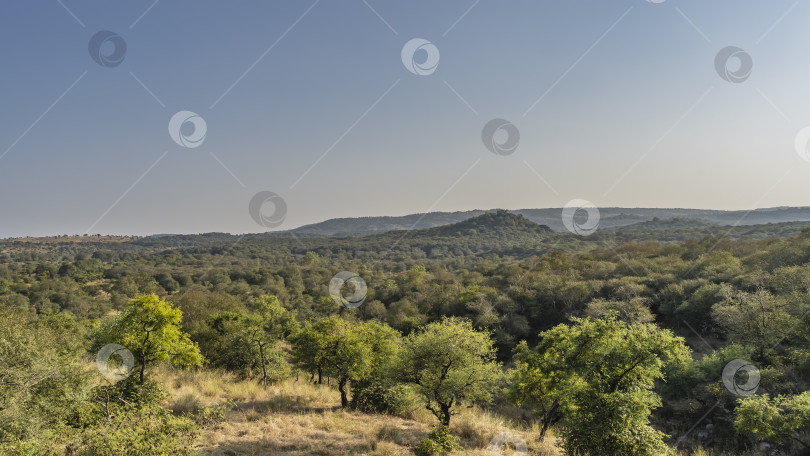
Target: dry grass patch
[(302, 419)]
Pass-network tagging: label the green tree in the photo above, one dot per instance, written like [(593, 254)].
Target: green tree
[(250, 339), (43, 380), (759, 319), (448, 362), (597, 376), (782, 419), (632, 310), (150, 328), (347, 351), (308, 348)]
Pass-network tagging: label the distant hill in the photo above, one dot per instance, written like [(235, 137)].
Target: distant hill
[(360, 226), (611, 217), (502, 223), (499, 233)]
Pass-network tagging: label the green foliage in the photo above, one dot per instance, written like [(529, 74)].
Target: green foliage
[(633, 310), (439, 441), (139, 431), (783, 419), (612, 424), (42, 379), (597, 377), (758, 318), (347, 351), (380, 396), (448, 362), (248, 341), (745, 298), (150, 329)]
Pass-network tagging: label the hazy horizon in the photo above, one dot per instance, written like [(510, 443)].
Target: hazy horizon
[(622, 104), (398, 216)]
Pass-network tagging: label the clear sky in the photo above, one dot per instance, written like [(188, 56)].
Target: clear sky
[(616, 102)]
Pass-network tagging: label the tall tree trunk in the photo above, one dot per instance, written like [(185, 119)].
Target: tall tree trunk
[(445, 419), (320, 376), (264, 366), (548, 419), (344, 400), (143, 369)]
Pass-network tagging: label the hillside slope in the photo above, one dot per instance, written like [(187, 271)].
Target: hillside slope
[(610, 217)]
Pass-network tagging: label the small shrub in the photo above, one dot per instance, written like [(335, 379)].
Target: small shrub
[(211, 415), (439, 441), (148, 430), (379, 397)]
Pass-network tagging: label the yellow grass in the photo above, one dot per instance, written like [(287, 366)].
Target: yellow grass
[(298, 418), (302, 419)]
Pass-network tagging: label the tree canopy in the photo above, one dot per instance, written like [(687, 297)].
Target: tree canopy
[(448, 361)]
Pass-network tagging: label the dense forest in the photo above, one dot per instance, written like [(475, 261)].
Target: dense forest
[(670, 337)]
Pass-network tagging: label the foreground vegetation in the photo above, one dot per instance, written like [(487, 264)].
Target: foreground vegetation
[(614, 349)]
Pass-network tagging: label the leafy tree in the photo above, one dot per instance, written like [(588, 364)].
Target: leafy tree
[(448, 362), (633, 310), (597, 375), (308, 348), (782, 419), (43, 381), (347, 351), (250, 339), (759, 319), (150, 328)]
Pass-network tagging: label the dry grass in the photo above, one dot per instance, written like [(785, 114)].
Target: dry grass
[(301, 419), (298, 418)]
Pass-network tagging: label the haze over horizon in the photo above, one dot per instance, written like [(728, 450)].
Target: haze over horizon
[(618, 103)]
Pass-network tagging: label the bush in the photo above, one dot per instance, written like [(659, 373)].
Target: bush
[(146, 430), (439, 441), (378, 397), (42, 380)]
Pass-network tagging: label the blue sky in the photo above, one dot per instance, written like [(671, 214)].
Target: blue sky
[(617, 103)]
